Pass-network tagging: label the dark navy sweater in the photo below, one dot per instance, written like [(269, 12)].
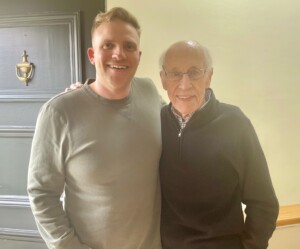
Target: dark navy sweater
[(206, 173)]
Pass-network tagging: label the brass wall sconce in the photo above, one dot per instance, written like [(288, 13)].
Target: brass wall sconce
[(24, 69)]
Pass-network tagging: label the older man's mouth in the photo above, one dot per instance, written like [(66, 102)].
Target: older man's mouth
[(185, 98)]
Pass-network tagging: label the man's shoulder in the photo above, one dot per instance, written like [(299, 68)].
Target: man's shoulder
[(65, 100), (143, 80), (165, 108), (224, 109), (144, 85), (233, 113), (230, 108), (63, 97), (165, 111)]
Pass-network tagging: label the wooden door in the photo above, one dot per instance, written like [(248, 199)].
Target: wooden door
[(55, 35)]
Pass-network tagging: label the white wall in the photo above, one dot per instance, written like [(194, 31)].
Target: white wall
[(256, 49), (286, 237)]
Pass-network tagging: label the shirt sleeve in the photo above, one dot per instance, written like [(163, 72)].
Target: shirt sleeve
[(257, 192), (46, 181)]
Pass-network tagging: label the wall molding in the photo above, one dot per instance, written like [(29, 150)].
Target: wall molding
[(14, 201), (17, 201), (15, 233), (9, 96), (17, 131), (69, 19), (20, 235)]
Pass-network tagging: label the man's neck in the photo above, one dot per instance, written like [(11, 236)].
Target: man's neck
[(182, 115), (110, 93)]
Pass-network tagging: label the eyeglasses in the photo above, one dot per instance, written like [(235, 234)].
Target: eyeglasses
[(193, 74)]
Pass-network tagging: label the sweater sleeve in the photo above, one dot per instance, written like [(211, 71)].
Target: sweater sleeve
[(46, 181), (257, 192)]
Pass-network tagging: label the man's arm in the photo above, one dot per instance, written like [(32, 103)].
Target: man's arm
[(257, 193), (46, 181)]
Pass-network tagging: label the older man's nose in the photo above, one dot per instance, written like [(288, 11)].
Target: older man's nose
[(185, 82)]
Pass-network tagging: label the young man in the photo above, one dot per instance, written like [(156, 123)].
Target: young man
[(211, 163), (100, 145)]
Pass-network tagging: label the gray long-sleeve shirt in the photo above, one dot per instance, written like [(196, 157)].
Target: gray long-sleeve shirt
[(104, 154)]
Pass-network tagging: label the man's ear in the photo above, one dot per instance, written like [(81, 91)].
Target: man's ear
[(209, 76), (163, 79), (90, 53)]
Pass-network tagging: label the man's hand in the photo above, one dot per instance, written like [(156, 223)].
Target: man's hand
[(74, 86)]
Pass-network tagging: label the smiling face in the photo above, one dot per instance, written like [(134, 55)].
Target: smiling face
[(186, 94), (116, 55)]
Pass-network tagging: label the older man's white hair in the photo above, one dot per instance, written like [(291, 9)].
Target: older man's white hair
[(192, 44)]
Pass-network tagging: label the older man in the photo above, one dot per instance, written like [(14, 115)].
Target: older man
[(211, 163)]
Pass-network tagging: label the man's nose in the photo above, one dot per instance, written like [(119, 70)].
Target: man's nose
[(118, 53), (185, 82)]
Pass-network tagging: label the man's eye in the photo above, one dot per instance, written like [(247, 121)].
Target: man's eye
[(130, 47), (194, 73), (107, 46), (175, 74)]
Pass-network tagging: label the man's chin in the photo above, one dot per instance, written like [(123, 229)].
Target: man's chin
[(184, 111)]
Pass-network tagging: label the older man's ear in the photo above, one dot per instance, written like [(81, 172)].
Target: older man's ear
[(209, 76), (74, 86), (163, 79)]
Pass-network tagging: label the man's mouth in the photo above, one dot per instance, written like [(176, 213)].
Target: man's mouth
[(118, 67), (184, 98)]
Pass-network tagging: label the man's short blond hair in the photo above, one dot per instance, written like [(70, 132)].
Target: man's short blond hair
[(116, 13)]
